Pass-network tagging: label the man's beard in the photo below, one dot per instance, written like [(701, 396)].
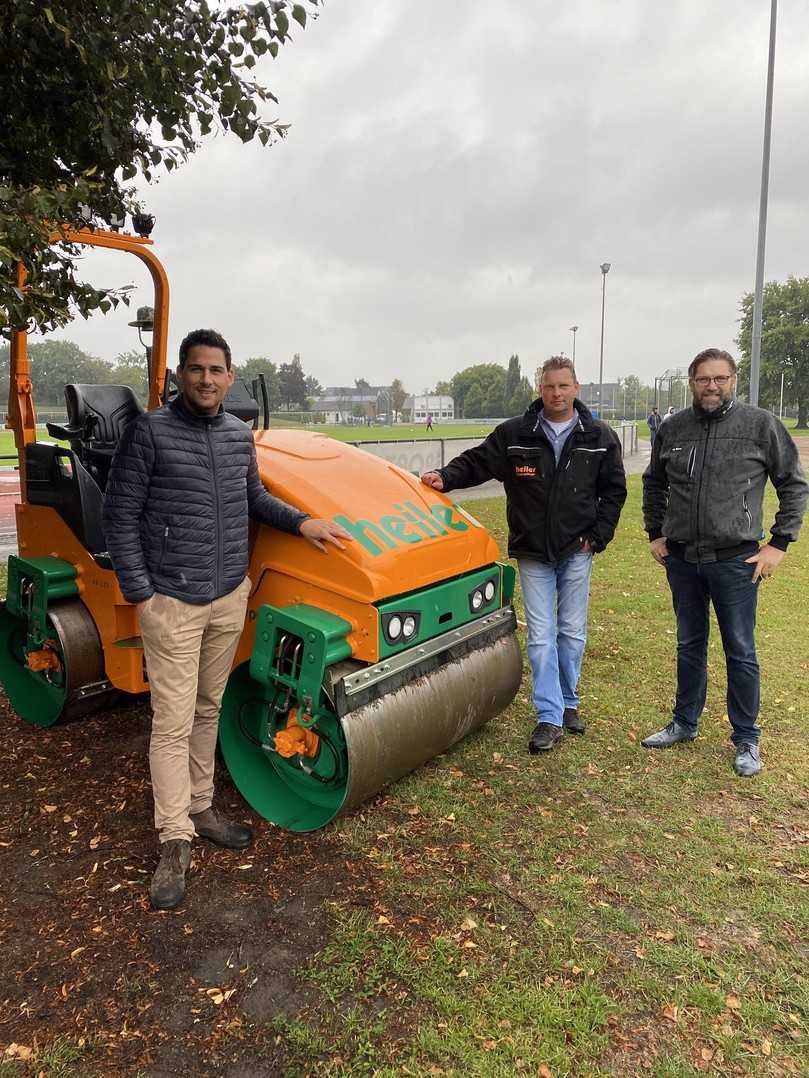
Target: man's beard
[(710, 404)]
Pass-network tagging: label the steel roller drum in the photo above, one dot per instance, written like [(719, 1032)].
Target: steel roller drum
[(377, 742), (76, 689)]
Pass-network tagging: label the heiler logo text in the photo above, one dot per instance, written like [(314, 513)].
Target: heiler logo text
[(410, 524)]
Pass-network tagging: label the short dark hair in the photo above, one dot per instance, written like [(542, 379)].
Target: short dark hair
[(708, 354), (210, 338), (558, 363)]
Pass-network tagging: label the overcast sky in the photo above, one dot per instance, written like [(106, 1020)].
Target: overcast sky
[(455, 174)]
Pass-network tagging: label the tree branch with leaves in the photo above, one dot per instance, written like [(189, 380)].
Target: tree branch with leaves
[(95, 94)]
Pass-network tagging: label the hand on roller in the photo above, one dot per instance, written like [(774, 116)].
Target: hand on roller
[(319, 532), (433, 479)]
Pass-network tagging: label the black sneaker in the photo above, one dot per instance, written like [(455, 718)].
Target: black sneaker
[(572, 721), (544, 737), (168, 883)]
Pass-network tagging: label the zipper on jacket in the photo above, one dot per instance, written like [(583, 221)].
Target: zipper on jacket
[(692, 460), (567, 452), (708, 425), (219, 553), (164, 546), (747, 512)]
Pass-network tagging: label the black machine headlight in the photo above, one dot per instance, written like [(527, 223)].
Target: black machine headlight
[(401, 627), (483, 595)]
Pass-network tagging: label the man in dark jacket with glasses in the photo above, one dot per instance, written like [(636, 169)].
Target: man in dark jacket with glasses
[(702, 505)]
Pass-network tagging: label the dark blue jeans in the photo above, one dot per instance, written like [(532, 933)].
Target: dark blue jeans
[(729, 586)]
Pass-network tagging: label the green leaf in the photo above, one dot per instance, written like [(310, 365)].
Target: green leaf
[(299, 15)]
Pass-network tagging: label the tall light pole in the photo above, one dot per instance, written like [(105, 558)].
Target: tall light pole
[(755, 351), (605, 269), (573, 330)]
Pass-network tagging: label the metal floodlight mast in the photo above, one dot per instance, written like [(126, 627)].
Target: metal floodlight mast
[(574, 330), (605, 269), (758, 301)]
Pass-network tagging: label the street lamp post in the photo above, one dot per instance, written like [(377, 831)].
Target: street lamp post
[(573, 330), (605, 269), (758, 301)]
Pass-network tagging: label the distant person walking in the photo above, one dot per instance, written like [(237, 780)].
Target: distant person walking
[(430, 422), (654, 421)]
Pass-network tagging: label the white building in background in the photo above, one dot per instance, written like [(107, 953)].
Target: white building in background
[(434, 404)]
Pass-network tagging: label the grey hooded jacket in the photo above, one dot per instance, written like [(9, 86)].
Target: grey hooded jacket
[(176, 508), (704, 486)]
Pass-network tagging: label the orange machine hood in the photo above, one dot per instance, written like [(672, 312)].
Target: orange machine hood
[(406, 535)]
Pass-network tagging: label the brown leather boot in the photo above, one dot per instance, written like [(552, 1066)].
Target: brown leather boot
[(168, 883), (233, 836)]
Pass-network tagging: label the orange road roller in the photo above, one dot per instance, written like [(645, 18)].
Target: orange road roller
[(354, 667)]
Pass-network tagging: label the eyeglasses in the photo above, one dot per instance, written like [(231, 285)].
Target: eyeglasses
[(720, 379)]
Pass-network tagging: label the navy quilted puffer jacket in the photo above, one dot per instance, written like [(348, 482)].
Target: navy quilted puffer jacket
[(176, 508)]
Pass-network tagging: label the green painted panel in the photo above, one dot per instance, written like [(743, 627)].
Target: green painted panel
[(440, 608)]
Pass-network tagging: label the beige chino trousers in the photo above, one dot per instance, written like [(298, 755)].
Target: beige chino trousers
[(189, 652)]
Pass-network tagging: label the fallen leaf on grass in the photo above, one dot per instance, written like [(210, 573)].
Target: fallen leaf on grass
[(78, 950), (468, 924), (766, 1047), (732, 1002), (666, 936), (18, 1051), (544, 1072), (382, 920), (49, 808), (670, 1012), (217, 996)]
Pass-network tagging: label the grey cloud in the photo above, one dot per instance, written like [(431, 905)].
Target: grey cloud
[(455, 174)]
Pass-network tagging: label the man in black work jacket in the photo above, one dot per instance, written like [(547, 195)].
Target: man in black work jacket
[(565, 487), (702, 508), (182, 485)]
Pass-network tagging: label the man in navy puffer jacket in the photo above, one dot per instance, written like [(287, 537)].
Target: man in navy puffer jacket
[(183, 483)]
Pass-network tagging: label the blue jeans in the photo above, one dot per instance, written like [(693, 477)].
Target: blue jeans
[(729, 586), (555, 597)]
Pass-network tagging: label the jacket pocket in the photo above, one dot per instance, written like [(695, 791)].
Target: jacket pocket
[(525, 462), (747, 513)]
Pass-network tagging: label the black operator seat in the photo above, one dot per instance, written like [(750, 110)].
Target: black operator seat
[(97, 416)]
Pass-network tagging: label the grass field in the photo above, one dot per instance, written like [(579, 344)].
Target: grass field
[(598, 911), (401, 432), (601, 910)]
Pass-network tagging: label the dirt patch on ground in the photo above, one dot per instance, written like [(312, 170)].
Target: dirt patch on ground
[(196, 991)]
